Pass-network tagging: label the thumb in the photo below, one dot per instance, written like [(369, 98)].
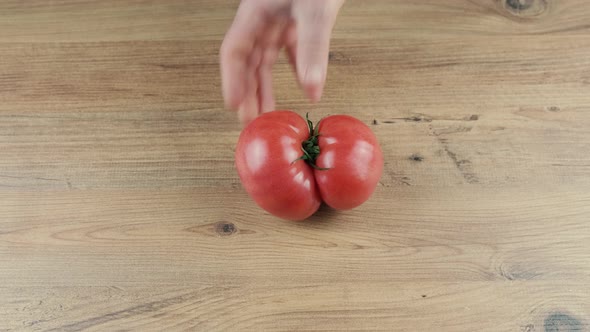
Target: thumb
[(314, 20)]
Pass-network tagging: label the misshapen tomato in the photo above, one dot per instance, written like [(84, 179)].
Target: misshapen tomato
[(343, 172), (354, 161)]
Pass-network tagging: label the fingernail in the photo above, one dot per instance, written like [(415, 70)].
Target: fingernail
[(314, 75)]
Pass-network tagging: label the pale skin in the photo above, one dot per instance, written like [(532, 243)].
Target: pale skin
[(260, 30)]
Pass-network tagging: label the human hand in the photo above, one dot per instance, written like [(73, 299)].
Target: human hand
[(251, 47)]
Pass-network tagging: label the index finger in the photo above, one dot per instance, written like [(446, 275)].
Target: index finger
[(235, 51)]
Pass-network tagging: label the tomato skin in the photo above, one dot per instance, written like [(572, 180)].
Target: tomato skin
[(265, 155), (351, 152)]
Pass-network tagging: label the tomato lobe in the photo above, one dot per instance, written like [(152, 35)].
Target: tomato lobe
[(351, 152), (266, 159)]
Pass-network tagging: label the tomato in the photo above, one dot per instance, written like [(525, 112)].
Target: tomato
[(288, 167)]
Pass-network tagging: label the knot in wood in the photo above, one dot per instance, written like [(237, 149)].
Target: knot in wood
[(225, 228), (560, 321), (416, 157), (525, 8)]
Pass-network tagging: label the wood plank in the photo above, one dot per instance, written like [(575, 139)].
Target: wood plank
[(111, 20), (139, 237), (489, 306)]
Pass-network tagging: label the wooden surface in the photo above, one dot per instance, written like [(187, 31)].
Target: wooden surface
[(120, 208)]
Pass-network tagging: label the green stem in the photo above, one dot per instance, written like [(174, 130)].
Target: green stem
[(310, 147)]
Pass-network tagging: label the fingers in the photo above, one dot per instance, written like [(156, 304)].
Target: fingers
[(248, 108), (265, 93), (290, 42), (315, 20), (235, 52), (259, 95), (251, 47), (270, 44)]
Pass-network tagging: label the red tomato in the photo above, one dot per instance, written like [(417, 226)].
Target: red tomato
[(289, 168)]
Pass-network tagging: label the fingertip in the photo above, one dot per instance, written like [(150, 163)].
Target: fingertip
[(245, 118), (267, 105), (311, 79), (248, 110), (269, 108), (314, 93)]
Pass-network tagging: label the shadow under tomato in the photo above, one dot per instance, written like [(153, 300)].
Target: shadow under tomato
[(323, 214)]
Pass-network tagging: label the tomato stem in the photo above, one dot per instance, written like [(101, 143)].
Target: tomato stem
[(310, 147)]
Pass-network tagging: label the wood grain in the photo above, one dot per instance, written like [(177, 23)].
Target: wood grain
[(120, 208)]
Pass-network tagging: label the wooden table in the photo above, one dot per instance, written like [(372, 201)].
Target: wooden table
[(120, 208)]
